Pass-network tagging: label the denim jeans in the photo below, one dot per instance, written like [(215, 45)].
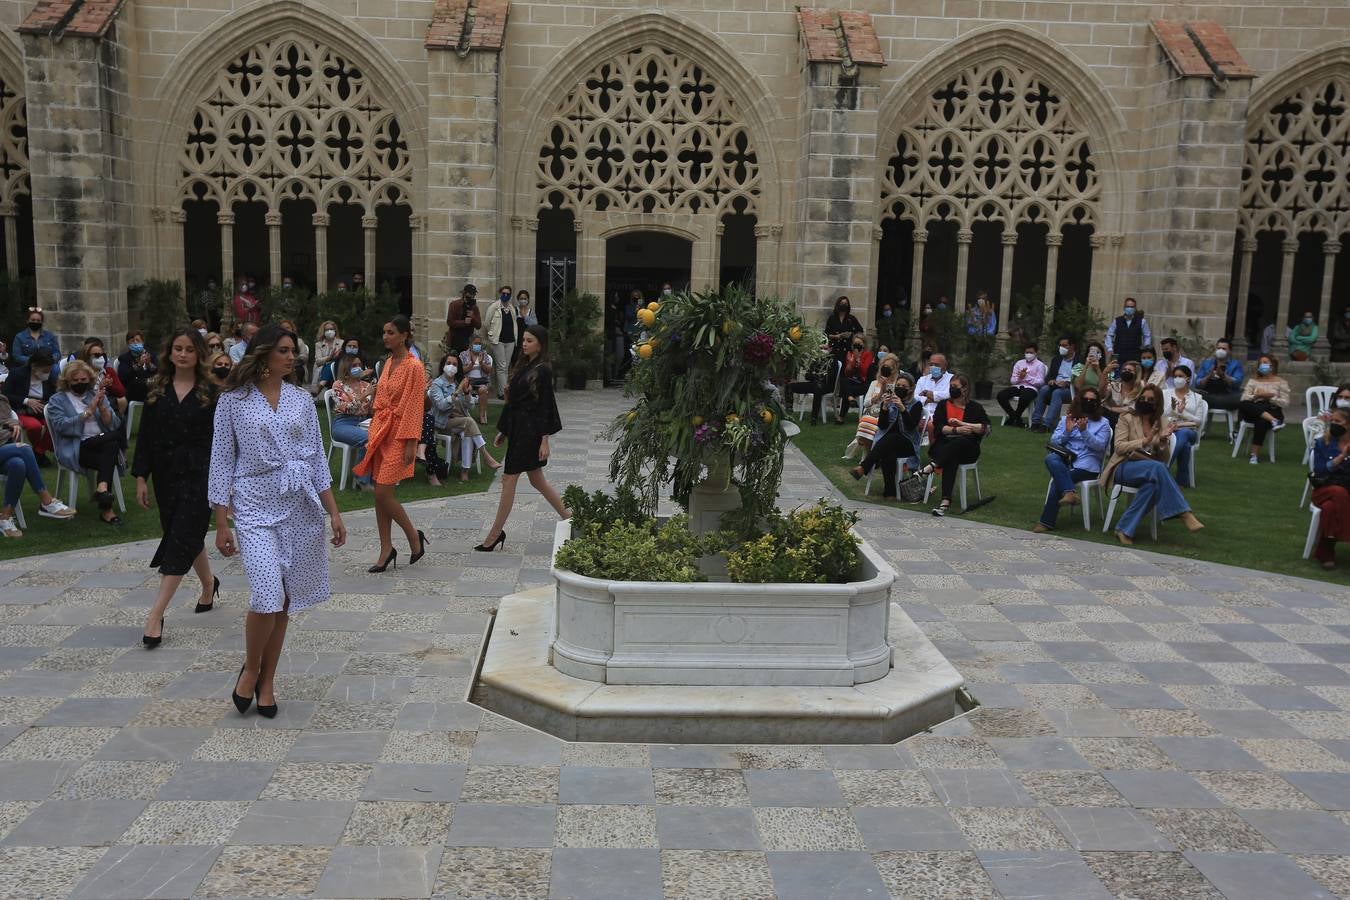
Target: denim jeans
[(346, 430), (18, 464), (1186, 439), (1064, 479), (1155, 485), (1049, 399)]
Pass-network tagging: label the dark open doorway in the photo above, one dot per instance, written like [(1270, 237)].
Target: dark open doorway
[(638, 261)]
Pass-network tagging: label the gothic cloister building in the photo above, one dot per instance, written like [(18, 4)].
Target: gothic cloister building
[(1193, 155)]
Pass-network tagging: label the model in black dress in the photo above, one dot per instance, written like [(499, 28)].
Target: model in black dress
[(527, 420), (173, 449)]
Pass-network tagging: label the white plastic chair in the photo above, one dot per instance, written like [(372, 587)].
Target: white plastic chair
[(1313, 526), (74, 481), (132, 406), (1317, 399), (335, 444), (902, 468), (961, 473), (1084, 489), (1228, 416), (1312, 430), (447, 440), (1118, 489), (1241, 436)]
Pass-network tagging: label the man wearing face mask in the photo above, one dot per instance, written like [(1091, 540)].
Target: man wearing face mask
[(935, 385), (499, 332), (1219, 378), (1128, 334), (246, 333), (136, 366), (463, 319), (1173, 357), (1081, 439), (1056, 391), (34, 337), (1028, 377)]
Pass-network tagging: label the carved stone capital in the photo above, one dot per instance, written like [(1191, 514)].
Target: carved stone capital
[(1289, 247), (1117, 240), (224, 218), (532, 223), (320, 220), (370, 221), (158, 215), (417, 222), (1249, 245), (965, 236), (178, 216), (517, 223), (920, 236), (1098, 241), (876, 233), (1331, 248), (1054, 239), (1008, 238), (272, 218)]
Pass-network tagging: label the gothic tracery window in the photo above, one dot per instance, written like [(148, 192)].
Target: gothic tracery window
[(994, 144), (291, 119), (648, 131), (1296, 170), (13, 145)]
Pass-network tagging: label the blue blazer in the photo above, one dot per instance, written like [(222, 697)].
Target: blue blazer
[(68, 428)]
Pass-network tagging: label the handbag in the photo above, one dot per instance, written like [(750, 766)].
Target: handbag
[(911, 490), (1063, 453)]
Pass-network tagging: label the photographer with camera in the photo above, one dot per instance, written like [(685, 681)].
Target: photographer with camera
[(897, 435), (1075, 454)]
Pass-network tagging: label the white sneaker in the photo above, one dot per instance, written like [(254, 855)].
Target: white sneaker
[(9, 529), (56, 510), (1252, 460), (1277, 426)]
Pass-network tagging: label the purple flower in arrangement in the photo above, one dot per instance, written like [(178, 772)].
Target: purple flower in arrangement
[(704, 434), (758, 348)]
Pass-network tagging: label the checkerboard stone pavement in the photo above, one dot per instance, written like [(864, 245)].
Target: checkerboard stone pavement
[(1150, 727)]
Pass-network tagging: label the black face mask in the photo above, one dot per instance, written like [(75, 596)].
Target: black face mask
[(1127, 376), (886, 372), (1337, 431), (1091, 406), (1144, 407), (955, 393), (221, 371), (34, 326), (79, 390), (901, 391)]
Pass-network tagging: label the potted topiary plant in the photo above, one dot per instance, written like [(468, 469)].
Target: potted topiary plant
[(575, 334)]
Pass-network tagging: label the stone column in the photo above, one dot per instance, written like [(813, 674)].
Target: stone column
[(273, 221), (960, 295), (916, 272), (1053, 240), (1330, 250), (369, 224), (11, 239), (1009, 241), (177, 242), (427, 325), (767, 241), (1280, 345), (227, 275), (321, 222), (1244, 288), (1096, 275)]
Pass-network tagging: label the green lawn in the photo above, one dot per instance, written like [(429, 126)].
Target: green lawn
[(85, 530), (1251, 513)]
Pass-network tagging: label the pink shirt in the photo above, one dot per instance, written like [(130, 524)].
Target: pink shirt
[(1028, 374)]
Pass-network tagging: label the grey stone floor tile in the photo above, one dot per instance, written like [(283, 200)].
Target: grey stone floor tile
[(502, 825), (605, 874), (516, 749), (412, 781), (1248, 723), (810, 876), (217, 781), (1211, 754), (1257, 876), (1038, 753), (154, 743), (1136, 696), (1089, 723), (693, 756), (74, 823), (1044, 874), (978, 787), (873, 758), (33, 779), (706, 828), (1298, 831), (147, 873), (1106, 828), (605, 785), (908, 828), (102, 711), (377, 872), (773, 787), (1162, 789), (1331, 790), (293, 822)]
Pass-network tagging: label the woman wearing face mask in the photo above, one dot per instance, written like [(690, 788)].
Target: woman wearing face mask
[(247, 306), (890, 330), (353, 403), (220, 365), (476, 364), (29, 389), (173, 448), (1329, 456), (1085, 435), (35, 337), (1264, 398), (897, 436), (1140, 461), (87, 432), (136, 366), (1302, 337), (452, 405), (1183, 411), (959, 425), (1151, 372), (525, 317), (327, 349), (94, 354), (214, 344), (396, 428), (1122, 393), (840, 329), (869, 409), (854, 377), (350, 347)]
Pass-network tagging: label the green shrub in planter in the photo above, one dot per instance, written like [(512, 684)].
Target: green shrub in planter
[(810, 545), (627, 551), (601, 508)]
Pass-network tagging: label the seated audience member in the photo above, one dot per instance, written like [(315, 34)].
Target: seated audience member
[(220, 365), (934, 385), (1181, 410), (1094, 373), (87, 432), (476, 365), (19, 466), (1302, 337), (1121, 393), (1058, 387), (302, 359), (1219, 377), (246, 333), (1150, 371), (817, 381), (327, 349), (1331, 494), (854, 376), (136, 366), (328, 375), (4, 360), (202, 328), (353, 403), (869, 408), (1084, 437), (1139, 460), (214, 344), (919, 366), (1342, 398), (35, 338), (94, 354), (452, 403), (1173, 357), (1264, 398), (959, 425), (29, 389), (1028, 377), (897, 435)]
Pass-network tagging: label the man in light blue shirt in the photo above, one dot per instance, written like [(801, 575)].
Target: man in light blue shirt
[(246, 334), (1085, 435)]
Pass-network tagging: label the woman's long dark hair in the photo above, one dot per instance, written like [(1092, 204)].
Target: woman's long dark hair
[(202, 384), (531, 366), (252, 367)]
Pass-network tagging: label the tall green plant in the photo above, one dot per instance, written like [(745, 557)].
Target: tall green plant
[(575, 334), (156, 307), (1077, 320), (16, 295)]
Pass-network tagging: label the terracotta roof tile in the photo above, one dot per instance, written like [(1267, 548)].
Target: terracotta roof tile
[(828, 36), (1180, 49), (486, 20), (73, 18), (1217, 47), (1200, 49)]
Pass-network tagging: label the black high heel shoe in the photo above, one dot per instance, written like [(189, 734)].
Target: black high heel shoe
[(215, 595), (267, 712), (499, 542), (153, 642), (241, 703), (412, 560), (392, 558)]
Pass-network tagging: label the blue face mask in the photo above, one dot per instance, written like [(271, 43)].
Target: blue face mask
[(136, 348), (1307, 321), (942, 306), (351, 351), (934, 372), (1263, 369), (886, 313), (1129, 312), (1146, 363)]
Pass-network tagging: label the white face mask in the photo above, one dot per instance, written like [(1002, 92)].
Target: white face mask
[(1029, 357), (450, 372), (1220, 353), (1063, 351), (203, 332), (330, 334), (98, 362), (1180, 381), (1343, 403)]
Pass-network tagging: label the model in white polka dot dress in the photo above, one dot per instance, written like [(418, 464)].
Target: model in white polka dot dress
[(268, 466)]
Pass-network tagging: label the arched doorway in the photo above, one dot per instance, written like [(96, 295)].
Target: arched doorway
[(639, 261)]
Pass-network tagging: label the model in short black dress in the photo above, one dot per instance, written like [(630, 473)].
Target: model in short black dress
[(531, 412), (173, 451)]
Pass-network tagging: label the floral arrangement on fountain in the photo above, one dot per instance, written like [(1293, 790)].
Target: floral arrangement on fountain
[(707, 404)]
